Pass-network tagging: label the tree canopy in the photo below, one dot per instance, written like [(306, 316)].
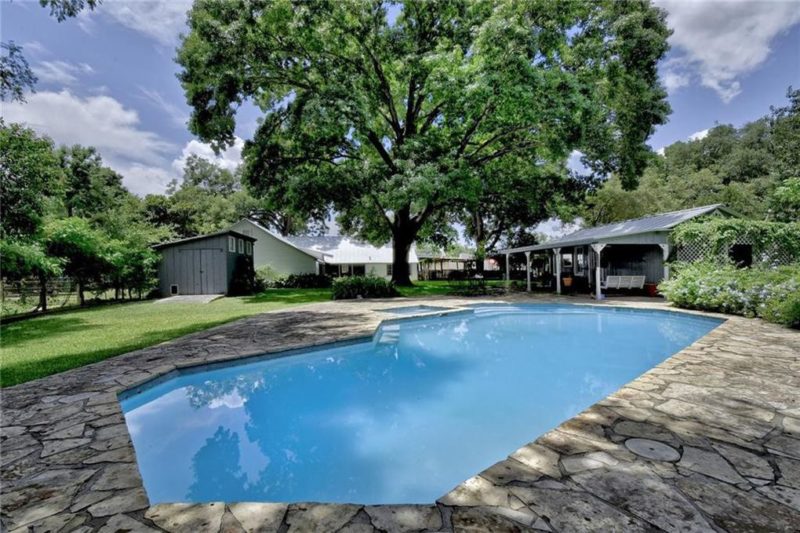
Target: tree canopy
[(755, 170), (390, 112), (29, 172)]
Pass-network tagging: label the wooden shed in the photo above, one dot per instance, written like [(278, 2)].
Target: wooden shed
[(206, 264)]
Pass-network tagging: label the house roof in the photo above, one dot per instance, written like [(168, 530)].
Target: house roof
[(653, 223), (442, 256), (206, 236), (338, 249), (335, 249), (316, 255)]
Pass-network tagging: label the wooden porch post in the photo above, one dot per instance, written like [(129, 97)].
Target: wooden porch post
[(665, 252), (557, 259), (508, 271), (528, 268), (598, 248)]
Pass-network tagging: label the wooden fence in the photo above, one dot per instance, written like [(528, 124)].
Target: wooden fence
[(22, 298)]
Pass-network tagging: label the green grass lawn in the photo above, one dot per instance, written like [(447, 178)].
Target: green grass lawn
[(439, 288), (41, 346)]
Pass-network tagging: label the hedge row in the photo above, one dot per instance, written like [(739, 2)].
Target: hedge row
[(769, 293)]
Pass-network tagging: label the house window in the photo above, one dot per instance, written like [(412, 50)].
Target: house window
[(249, 248), (241, 245), (741, 255), (566, 260), (389, 269), (231, 244), (359, 270)]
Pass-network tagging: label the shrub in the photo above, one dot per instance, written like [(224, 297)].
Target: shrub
[(362, 287), (266, 277), (786, 312), (769, 293), (303, 281)]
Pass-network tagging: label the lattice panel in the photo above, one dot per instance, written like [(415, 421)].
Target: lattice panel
[(702, 250), (694, 251)]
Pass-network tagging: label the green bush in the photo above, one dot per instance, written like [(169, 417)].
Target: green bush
[(769, 293), (303, 281), (362, 287), (786, 312)]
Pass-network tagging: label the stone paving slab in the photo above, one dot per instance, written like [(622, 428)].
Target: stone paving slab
[(709, 440)]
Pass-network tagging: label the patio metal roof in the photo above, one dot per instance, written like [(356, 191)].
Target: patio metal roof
[(625, 228)]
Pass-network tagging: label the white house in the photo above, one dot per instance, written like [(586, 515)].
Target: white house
[(334, 255)]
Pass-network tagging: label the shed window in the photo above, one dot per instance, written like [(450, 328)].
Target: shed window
[(249, 248), (231, 244), (241, 246)]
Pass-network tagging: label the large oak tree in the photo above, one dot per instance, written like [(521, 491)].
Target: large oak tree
[(389, 112)]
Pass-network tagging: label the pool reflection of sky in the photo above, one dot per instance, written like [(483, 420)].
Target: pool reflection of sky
[(402, 420)]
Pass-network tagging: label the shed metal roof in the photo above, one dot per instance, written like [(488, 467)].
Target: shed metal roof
[(201, 237), (625, 228)]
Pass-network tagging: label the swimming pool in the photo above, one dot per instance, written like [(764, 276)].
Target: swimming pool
[(399, 418), (414, 309)]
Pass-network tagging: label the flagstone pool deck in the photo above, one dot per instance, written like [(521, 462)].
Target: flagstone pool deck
[(708, 440)]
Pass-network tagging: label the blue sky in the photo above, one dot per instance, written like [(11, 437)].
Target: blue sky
[(107, 78)]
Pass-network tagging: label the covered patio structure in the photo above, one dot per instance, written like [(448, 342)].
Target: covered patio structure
[(584, 260)]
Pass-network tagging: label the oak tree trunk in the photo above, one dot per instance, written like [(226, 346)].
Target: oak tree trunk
[(43, 293), (401, 245)]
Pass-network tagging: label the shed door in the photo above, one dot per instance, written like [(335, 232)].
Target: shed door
[(208, 277)]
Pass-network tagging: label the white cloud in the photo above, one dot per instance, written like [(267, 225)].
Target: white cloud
[(716, 43), (661, 151), (178, 116), (35, 48), (698, 135), (161, 21), (553, 228), (229, 159), (141, 156), (61, 72), (674, 80)]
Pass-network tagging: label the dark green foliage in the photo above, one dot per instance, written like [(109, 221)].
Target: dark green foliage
[(81, 248), (90, 188), (754, 170), (303, 281), (19, 260), (392, 124), (784, 311), (772, 242), (210, 198), (351, 287), (29, 174), (15, 73), (769, 293), (64, 9)]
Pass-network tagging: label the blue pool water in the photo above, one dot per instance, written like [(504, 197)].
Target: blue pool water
[(402, 418)]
